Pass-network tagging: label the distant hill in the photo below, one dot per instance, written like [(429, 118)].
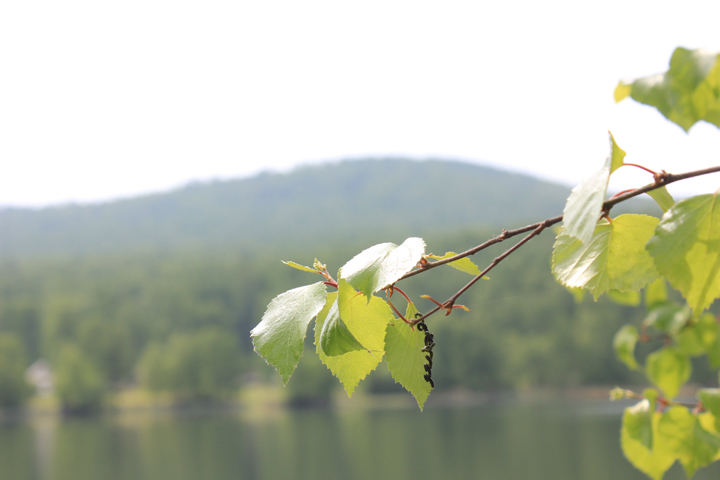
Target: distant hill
[(377, 199)]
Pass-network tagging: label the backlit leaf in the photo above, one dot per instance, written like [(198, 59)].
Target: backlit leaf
[(335, 338), (464, 264), (631, 298), (663, 198), (300, 267), (686, 249), (366, 321), (653, 462), (708, 331), (656, 293), (687, 93), (710, 397), (613, 258), (382, 265), (637, 420), (585, 202), (669, 318), (669, 369), (624, 343), (404, 357), (280, 337), (694, 446)]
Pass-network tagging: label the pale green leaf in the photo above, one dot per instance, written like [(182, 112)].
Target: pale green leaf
[(686, 249), (583, 206), (689, 341), (622, 91), (656, 293), (335, 338), (464, 264), (577, 293), (382, 265), (669, 318), (687, 93), (663, 198), (366, 321), (405, 359), (631, 298), (280, 337), (669, 369), (708, 331), (637, 420), (653, 462), (710, 398), (614, 258), (300, 267), (624, 344), (694, 446)]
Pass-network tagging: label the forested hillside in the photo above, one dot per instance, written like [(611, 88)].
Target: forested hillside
[(378, 198)]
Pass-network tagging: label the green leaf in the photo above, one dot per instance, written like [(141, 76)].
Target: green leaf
[(300, 267), (280, 337), (686, 249), (686, 438), (464, 264), (382, 265), (335, 338), (710, 398), (656, 293), (622, 91), (405, 359), (653, 462), (585, 202), (687, 93), (624, 344), (689, 341), (637, 420), (614, 257), (631, 298), (669, 369), (708, 331), (669, 318), (663, 198), (366, 321)]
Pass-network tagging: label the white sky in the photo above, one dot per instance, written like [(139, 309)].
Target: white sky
[(102, 99)]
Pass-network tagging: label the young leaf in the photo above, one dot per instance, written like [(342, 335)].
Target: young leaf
[(382, 265), (708, 331), (694, 446), (656, 293), (631, 298), (663, 198), (335, 338), (405, 359), (669, 318), (464, 264), (366, 321), (638, 422), (613, 258), (669, 369), (624, 343), (710, 398), (584, 204), (653, 462), (300, 267), (686, 249), (687, 93), (279, 338)]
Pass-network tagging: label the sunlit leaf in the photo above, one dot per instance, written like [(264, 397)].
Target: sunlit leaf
[(708, 331), (405, 359), (464, 264), (687, 93), (710, 398), (382, 265), (631, 298), (669, 369), (637, 420), (663, 198), (280, 337), (694, 446), (335, 338), (656, 293), (668, 318), (366, 321), (300, 267), (653, 462), (584, 204), (624, 344), (686, 249), (613, 258)]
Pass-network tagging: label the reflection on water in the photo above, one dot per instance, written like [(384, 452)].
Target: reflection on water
[(499, 442)]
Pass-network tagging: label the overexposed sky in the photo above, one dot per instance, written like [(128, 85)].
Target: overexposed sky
[(102, 99)]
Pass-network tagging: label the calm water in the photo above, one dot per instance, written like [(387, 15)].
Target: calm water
[(579, 441)]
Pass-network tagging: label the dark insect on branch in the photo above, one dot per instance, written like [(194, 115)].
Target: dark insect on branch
[(429, 344)]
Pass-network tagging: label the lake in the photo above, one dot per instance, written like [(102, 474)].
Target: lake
[(578, 440)]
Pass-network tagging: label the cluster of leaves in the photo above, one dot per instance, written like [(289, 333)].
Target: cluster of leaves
[(617, 256)]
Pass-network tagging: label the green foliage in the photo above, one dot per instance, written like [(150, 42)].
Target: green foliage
[(201, 366), (687, 93), (13, 362), (464, 264), (79, 384)]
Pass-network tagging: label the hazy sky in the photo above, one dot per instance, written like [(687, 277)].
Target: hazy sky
[(102, 99)]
